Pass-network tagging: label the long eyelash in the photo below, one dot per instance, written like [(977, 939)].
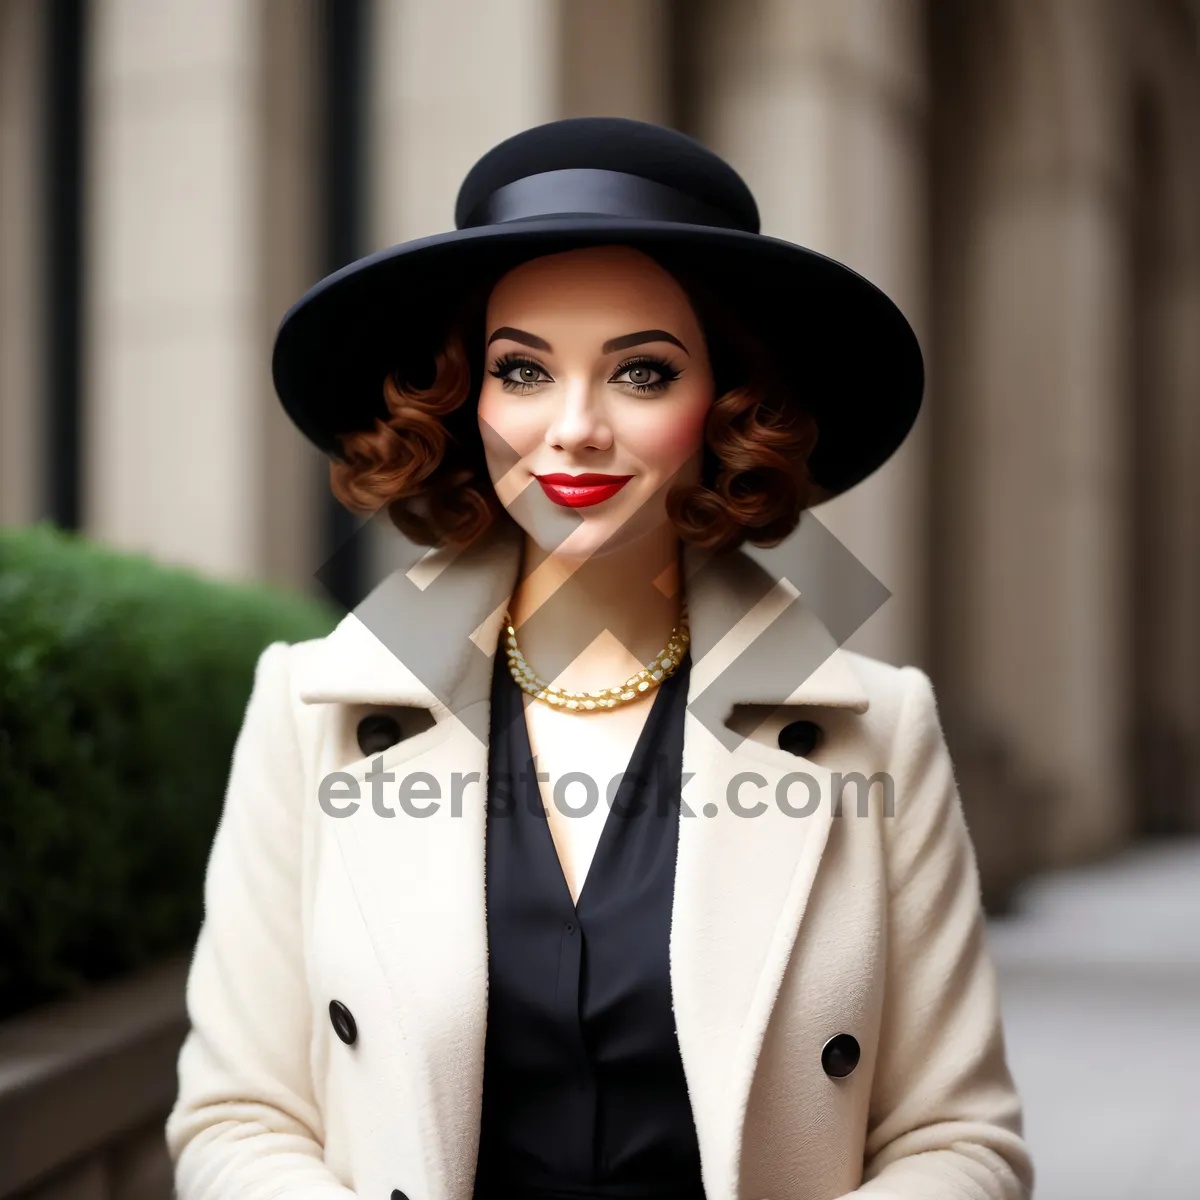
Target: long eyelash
[(501, 367), (506, 362), (669, 373)]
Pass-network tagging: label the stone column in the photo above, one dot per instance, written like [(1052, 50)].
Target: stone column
[(173, 435), (820, 106), (1037, 469), (21, 268), (289, 469), (1163, 424), (1165, 724), (1182, 664), (450, 79), (615, 60)]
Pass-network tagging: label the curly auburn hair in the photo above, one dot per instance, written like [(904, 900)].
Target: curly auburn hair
[(425, 460)]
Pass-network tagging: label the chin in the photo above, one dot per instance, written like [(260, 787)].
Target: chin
[(587, 539), (566, 534), (601, 539), (607, 536)]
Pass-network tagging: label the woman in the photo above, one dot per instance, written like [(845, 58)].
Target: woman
[(697, 972)]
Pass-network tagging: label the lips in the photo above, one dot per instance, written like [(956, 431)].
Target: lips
[(579, 491)]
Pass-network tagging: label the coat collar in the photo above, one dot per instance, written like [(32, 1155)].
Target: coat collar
[(754, 638)]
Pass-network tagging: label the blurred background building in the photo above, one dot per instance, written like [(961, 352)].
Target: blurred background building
[(1022, 176)]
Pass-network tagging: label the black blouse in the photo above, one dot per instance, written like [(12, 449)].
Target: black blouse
[(584, 1092)]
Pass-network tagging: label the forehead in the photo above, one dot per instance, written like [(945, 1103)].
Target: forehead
[(599, 280)]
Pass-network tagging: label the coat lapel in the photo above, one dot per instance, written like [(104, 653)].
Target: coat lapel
[(424, 638), (742, 882), (745, 867)]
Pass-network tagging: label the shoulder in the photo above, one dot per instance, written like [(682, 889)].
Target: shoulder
[(277, 669), (269, 706), (298, 659), (294, 678), (275, 710), (903, 705), (888, 687)]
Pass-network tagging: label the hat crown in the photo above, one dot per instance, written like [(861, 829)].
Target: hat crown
[(564, 167)]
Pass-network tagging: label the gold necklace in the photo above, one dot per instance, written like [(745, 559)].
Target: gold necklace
[(664, 664)]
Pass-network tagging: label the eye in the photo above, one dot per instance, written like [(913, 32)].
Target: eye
[(525, 374), (520, 374), (641, 374), (646, 375)]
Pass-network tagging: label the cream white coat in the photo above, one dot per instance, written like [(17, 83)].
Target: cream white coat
[(786, 931)]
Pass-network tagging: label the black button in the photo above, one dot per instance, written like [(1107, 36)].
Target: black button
[(799, 737), (840, 1055), (377, 732), (570, 928), (343, 1022)]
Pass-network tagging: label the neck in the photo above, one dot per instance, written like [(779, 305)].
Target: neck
[(590, 623)]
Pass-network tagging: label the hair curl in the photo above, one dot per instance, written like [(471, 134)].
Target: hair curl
[(425, 460)]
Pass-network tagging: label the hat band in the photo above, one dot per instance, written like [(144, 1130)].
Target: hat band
[(585, 191)]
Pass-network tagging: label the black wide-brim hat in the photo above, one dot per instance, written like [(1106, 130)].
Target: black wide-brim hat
[(845, 349)]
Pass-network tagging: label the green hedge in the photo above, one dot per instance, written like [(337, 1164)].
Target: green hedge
[(123, 684)]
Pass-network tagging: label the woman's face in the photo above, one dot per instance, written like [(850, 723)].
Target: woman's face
[(595, 392)]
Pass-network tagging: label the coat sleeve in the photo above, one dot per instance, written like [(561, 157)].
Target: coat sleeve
[(245, 1124), (946, 1122)]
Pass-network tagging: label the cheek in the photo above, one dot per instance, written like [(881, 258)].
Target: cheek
[(507, 428), (666, 438)]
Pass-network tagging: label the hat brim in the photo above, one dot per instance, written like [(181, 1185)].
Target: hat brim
[(847, 351)]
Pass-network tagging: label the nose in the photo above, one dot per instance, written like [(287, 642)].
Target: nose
[(580, 420)]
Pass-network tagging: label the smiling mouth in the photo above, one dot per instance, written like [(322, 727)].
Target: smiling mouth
[(579, 491)]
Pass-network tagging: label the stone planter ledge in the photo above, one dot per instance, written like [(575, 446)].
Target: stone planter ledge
[(85, 1088)]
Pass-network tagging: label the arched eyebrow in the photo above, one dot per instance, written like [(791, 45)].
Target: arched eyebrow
[(611, 346), (637, 339), (519, 335)]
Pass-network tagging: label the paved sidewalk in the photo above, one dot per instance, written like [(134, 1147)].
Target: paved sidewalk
[(1100, 978)]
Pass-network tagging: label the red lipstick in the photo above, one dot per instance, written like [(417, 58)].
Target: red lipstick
[(579, 491)]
